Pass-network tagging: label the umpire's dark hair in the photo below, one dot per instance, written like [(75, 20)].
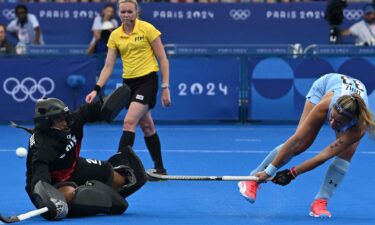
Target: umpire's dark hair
[(21, 6), (109, 5), (2, 25)]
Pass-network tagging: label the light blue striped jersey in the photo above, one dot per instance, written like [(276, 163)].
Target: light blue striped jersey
[(340, 85)]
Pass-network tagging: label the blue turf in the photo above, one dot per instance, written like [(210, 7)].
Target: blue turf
[(208, 150)]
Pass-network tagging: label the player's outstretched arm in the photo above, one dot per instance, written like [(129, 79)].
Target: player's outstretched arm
[(346, 142), (299, 141)]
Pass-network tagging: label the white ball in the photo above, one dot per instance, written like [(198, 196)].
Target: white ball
[(21, 152)]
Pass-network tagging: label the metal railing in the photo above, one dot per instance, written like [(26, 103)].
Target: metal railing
[(294, 50), (234, 49)]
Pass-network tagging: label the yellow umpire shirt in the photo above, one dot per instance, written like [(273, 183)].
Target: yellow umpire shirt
[(135, 49)]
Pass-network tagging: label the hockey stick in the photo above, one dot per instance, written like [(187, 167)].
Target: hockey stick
[(153, 176), (14, 219), (29, 130)]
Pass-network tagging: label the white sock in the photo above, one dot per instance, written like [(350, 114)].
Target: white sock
[(335, 173), (266, 161)]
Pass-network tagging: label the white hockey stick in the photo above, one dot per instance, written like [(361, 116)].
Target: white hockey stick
[(153, 176), (14, 219)]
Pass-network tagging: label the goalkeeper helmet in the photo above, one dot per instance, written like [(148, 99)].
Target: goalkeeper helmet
[(47, 110)]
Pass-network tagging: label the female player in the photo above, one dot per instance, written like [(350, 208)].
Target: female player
[(339, 100)]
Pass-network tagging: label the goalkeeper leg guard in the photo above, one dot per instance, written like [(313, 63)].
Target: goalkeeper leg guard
[(114, 103), (128, 164), (45, 195), (95, 197)]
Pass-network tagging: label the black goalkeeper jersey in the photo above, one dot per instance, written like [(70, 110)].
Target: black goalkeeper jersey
[(52, 155)]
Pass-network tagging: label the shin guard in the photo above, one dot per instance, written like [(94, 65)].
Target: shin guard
[(94, 198)]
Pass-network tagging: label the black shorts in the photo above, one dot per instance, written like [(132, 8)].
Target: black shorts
[(92, 169), (143, 89)]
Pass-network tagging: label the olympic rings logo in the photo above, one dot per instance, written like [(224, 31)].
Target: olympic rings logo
[(9, 14), (28, 88), (353, 14), (240, 14)]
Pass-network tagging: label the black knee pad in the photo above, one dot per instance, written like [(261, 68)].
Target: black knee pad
[(128, 164), (128, 173), (94, 198), (65, 183)]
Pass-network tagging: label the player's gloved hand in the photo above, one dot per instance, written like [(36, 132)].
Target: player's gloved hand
[(262, 177), (285, 177)]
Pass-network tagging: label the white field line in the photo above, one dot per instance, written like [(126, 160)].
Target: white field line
[(208, 128), (247, 140), (216, 151)]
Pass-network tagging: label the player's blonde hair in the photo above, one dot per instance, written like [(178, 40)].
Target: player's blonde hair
[(137, 9), (354, 106), (130, 1)]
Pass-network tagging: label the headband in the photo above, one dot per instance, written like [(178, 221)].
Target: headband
[(340, 109)]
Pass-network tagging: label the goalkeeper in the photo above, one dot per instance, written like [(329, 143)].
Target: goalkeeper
[(69, 185)]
